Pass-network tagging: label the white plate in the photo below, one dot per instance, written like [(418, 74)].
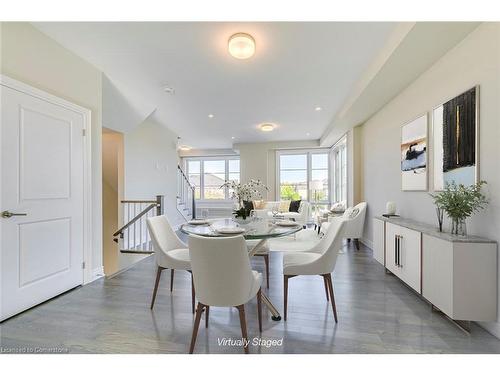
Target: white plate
[(286, 223), (197, 222), (231, 230)]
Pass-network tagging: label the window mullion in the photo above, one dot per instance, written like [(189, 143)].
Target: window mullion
[(202, 179)]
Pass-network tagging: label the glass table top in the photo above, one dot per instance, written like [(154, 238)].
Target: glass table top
[(255, 229)]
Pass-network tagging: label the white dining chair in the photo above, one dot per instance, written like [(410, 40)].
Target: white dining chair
[(223, 278), (320, 260), (170, 253), (263, 252)]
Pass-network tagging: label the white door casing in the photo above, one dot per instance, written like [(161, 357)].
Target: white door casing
[(45, 151)]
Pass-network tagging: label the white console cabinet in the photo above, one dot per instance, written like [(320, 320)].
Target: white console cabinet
[(457, 275)]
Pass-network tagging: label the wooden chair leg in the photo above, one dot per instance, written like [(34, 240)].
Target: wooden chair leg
[(197, 319), (192, 293), (155, 290), (243, 323), (171, 280), (285, 291), (266, 262), (356, 242), (326, 287), (207, 310), (332, 297), (259, 308)]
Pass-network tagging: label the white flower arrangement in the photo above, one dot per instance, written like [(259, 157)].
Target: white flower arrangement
[(244, 192)]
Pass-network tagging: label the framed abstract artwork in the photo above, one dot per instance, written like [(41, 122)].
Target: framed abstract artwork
[(414, 155), (456, 139)]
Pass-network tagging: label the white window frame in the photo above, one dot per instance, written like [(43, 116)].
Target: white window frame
[(201, 159), (308, 152), (338, 150)]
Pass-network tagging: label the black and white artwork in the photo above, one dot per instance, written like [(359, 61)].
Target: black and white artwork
[(414, 155), (455, 125)]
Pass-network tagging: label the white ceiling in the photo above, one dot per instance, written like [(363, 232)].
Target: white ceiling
[(297, 66)]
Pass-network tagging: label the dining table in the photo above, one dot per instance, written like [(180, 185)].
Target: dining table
[(261, 229)]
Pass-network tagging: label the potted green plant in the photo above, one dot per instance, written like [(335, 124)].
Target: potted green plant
[(244, 192), (459, 202)]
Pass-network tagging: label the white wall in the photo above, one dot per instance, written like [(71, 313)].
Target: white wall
[(476, 60), (33, 58), (150, 160), (258, 161)]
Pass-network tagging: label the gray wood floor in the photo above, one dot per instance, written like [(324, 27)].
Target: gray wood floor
[(377, 314)]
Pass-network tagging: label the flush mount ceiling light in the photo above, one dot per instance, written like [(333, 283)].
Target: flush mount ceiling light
[(184, 148), (241, 46), (267, 127), (169, 90)]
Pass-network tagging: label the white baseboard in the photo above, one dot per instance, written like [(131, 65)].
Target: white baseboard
[(127, 268), (367, 242), (97, 273)]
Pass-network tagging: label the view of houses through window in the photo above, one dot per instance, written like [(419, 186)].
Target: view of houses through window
[(208, 174), (304, 175)]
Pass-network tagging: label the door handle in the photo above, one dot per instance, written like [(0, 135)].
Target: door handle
[(396, 249), (400, 252), (7, 214)]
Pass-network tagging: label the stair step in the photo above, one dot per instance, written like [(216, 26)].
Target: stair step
[(142, 252)]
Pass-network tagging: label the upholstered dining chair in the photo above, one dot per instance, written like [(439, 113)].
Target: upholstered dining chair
[(170, 253), (320, 260), (223, 278), (262, 252)]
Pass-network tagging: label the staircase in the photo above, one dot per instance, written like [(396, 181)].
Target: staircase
[(186, 203), (133, 237)]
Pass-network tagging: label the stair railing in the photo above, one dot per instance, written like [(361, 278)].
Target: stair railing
[(186, 200), (133, 237)]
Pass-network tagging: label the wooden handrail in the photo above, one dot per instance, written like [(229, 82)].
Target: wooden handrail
[(138, 201), (185, 177), (136, 217)]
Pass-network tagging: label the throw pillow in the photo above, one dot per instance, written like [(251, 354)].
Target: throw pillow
[(294, 206), (284, 206), (258, 205)]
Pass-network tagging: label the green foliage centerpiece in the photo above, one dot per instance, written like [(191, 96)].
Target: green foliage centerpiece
[(459, 202), (244, 192)]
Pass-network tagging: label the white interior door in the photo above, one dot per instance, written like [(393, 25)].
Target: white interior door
[(42, 176)]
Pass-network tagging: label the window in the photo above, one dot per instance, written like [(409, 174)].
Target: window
[(293, 177), (301, 171), (339, 152), (214, 175), (208, 174), (194, 175)]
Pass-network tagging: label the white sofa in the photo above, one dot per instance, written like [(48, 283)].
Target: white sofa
[(301, 217), (355, 222)]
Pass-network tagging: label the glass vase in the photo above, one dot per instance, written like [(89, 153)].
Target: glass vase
[(440, 214), (458, 227)]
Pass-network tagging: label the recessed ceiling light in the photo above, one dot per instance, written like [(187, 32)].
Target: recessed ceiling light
[(211, 115), (241, 46), (184, 148), (267, 127), (317, 109), (233, 137), (308, 134), (169, 90)]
